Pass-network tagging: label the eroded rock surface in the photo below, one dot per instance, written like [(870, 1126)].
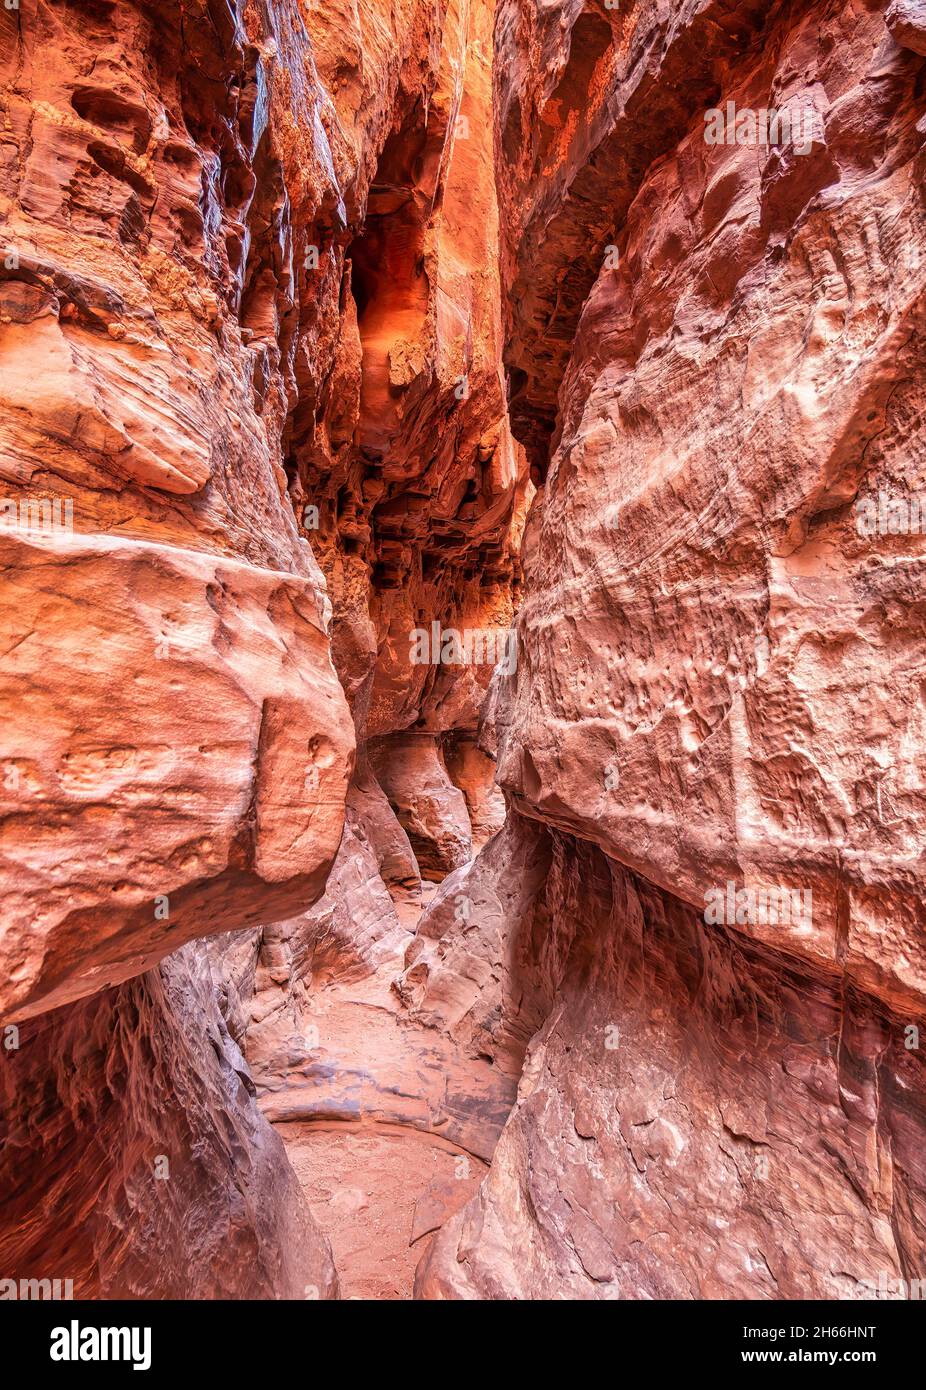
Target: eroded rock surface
[(271, 274), (135, 1161), (720, 674), (715, 352), (253, 429), (186, 736), (402, 464), (696, 1118)]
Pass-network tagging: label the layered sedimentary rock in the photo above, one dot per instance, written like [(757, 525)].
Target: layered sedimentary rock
[(404, 474), (741, 659), (269, 271), (405, 454), (249, 322), (177, 747), (715, 352), (697, 1117), (183, 762)]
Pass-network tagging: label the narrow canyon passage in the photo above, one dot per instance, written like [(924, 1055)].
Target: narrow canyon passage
[(379, 1196), (388, 1125), (374, 1126), (462, 542)]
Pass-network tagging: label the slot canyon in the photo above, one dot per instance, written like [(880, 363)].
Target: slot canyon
[(463, 680)]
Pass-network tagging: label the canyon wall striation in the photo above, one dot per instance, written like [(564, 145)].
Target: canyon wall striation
[(402, 459), (328, 331), (253, 429), (714, 348)]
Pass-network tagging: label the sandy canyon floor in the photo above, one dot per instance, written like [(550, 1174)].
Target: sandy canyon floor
[(380, 1179)]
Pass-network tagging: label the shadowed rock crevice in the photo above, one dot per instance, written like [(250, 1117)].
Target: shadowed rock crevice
[(157, 1175), (389, 283), (696, 1116)]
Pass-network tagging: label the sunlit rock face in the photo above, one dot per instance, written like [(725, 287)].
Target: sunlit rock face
[(253, 432), (906, 20), (722, 654), (403, 471), (270, 275), (176, 747), (135, 1162), (714, 351)]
